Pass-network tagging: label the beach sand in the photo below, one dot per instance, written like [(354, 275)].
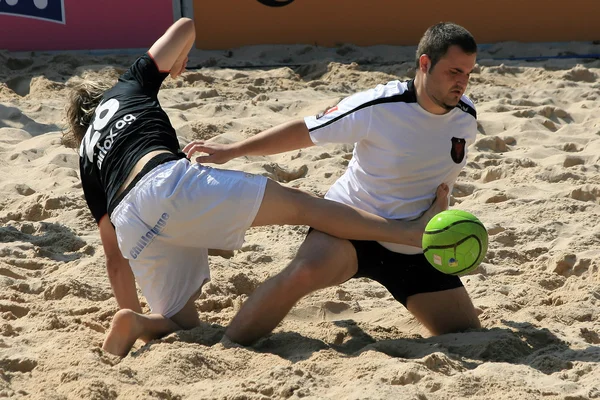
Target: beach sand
[(532, 178)]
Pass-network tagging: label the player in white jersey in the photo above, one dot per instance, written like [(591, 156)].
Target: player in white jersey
[(410, 137)]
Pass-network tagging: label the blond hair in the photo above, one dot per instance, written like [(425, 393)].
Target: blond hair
[(81, 106)]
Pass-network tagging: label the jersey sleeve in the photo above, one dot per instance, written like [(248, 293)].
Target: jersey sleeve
[(467, 105), (145, 73), (346, 122), (94, 197)]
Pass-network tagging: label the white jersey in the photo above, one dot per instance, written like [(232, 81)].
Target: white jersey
[(402, 152)]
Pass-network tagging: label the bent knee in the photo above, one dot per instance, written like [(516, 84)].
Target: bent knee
[(319, 273)]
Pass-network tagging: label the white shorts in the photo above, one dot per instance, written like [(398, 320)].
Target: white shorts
[(169, 219)]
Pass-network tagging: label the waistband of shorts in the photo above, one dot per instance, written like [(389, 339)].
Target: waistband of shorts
[(154, 162)]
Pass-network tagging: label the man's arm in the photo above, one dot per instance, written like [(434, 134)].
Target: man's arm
[(170, 51), (119, 272), (281, 138)]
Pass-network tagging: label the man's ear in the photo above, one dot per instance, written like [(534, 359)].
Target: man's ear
[(424, 63)]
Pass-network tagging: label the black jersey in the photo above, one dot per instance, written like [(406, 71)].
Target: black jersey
[(128, 124)]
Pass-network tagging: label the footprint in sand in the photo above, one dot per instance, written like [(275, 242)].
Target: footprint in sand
[(7, 330), (19, 85), (569, 264), (23, 189), (193, 77), (493, 174), (553, 116), (590, 336), (550, 125), (13, 311), (555, 175), (18, 364), (586, 193), (521, 102), (35, 287), (495, 198), (214, 303), (11, 274), (327, 311), (205, 131), (554, 113), (28, 251), (42, 86), (440, 362), (280, 174), (570, 147), (19, 120), (19, 63), (25, 155), (76, 288), (492, 143), (549, 364), (528, 113), (242, 284), (571, 161), (11, 135), (462, 189), (580, 74), (94, 389)]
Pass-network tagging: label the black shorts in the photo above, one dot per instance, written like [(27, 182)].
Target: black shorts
[(403, 275)]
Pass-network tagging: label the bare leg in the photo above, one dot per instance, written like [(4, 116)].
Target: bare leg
[(446, 311), (128, 326), (188, 317), (322, 261), (282, 205)]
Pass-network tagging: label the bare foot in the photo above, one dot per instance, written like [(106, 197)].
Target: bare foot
[(439, 204), (125, 329)]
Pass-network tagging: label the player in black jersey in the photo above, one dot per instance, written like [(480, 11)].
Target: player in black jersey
[(158, 213)]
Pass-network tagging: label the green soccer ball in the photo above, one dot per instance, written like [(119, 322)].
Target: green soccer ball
[(455, 242)]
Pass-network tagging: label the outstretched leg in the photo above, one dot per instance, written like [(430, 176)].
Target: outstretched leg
[(322, 260), (283, 205)]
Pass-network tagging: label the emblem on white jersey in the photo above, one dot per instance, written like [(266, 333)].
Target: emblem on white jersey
[(458, 150)]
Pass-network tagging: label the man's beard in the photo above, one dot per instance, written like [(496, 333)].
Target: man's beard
[(449, 107), (443, 104)]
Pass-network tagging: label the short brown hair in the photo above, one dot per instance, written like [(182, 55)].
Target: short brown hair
[(438, 38)]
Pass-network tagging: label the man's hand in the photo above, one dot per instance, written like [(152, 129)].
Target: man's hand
[(217, 153)]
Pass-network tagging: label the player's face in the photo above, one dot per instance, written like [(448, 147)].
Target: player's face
[(448, 80)]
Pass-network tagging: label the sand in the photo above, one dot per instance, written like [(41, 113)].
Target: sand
[(532, 178)]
